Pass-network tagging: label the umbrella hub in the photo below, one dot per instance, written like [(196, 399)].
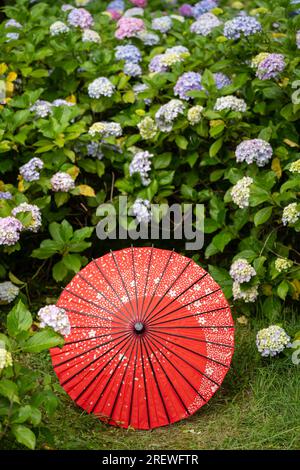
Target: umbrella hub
[(139, 327)]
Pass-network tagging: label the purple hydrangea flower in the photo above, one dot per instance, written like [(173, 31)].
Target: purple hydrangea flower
[(132, 69), (29, 171), (141, 209), (41, 108), (156, 64), (36, 218), (56, 318), (5, 195), (186, 10), (141, 164), (129, 53), (13, 24), (241, 26), (187, 82), (62, 181), (205, 24), (162, 24), (101, 86), (221, 80), (10, 229), (203, 7), (241, 271), (270, 67), (254, 150), (80, 17)]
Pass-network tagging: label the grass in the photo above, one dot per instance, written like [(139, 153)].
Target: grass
[(257, 407)]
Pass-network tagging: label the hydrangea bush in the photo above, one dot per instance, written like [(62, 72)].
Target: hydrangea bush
[(162, 102)]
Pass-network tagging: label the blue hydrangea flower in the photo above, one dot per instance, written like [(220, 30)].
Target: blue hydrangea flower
[(203, 7), (129, 53), (241, 26), (187, 82)]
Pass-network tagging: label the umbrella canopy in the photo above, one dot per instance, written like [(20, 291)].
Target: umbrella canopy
[(151, 339)]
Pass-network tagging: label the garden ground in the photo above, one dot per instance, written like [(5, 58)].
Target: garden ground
[(257, 407)]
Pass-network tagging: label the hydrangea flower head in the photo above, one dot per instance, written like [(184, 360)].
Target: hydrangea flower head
[(241, 271), (141, 210), (36, 218), (194, 114), (231, 103), (186, 10), (167, 114), (129, 53), (290, 214), (242, 25), (139, 3), (272, 341), (147, 128), (10, 229), (89, 35), (30, 171), (283, 264), (59, 27), (270, 67), (254, 150), (81, 18), (8, 292), (189, 81), (149, 39), (13, 24), (101, 86), (41, 108), (248, 294), (56, 318), (5, 358), (132, 69), (162, 24), (5, 195), (240, 192), (141, 164), (205, 24), (203, 7), (129, 27), (105, 129), (62, 181)]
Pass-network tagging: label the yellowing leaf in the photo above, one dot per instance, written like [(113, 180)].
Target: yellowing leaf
[(140, 112), (73, 171), (21, 187), (85, 190), (3, 68), (267, 289), (11, 77), (296, 285), (242, 320), (276, 167), (291, 143), (71, 99), (278, 35), (129, 97), (9, 87), (215, 122)]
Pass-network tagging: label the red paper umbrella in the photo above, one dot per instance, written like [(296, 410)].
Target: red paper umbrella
[(151, 339)]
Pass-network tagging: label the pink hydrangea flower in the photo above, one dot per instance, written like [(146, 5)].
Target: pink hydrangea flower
[(129, 27), (139, 3)]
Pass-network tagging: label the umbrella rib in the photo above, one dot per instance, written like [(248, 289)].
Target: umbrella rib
[(176, 368), (156, 382), (109, 379), (121, 383), (145, 385), (103, 295), (93, 303), (100, 372), (169, 288), (123, 282), (182, 306), (187, 362), (146, 283), (195, 339), (91, 349), (187, 316), (168, 378), (82, 313), (134, 277), (194, 352), (157, 285), (112, 287), (133, 384), (89, 339), (179, 295), (94, 360)]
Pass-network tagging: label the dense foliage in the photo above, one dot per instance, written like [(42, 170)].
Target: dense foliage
[(198, 109)]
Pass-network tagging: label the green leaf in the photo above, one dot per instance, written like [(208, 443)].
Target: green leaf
[(42, 340), (222, 277), (215, 147), (72, 262), (19, 319), (66, 230), (162, 161), (82, 233), (221, 240), (262, 215), (24, 435), (283, 289), (272, 308), (59, 271), (9, 390), (258, 195), (181, 142), (47, 249), (61, 198)]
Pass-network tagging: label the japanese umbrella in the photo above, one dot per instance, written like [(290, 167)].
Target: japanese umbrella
[(151, 339)]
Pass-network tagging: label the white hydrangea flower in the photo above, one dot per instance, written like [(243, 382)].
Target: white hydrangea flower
[(248, 294), (147, 128), (240, 192), (36, 218), (194, 114), (105, 129), (295, 166), (8, 292), (282, 264), (56, 318), (141, 164), (167, 114), (102, 86), (90, 35), (230, 102), (290, 214), (241, 271), (272, 341), (62, 181), (5, 358), (59, 27)]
